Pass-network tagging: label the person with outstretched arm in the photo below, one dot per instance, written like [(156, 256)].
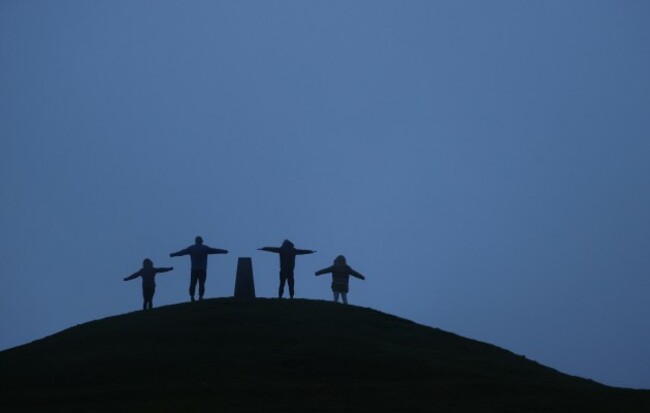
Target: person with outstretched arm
[(287, 254), (148, 273), (341, 273), (199, 257)]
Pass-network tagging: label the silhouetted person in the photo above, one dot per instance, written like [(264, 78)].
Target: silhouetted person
[(287, 263), (199, 256), (148, 273), (341, 273)]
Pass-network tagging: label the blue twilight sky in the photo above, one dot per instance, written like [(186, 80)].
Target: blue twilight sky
[(484, 164)]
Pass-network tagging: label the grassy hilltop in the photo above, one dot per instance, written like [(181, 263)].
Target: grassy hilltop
[(225, 355)]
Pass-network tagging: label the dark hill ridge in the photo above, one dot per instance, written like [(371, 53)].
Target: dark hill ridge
[(272, 355)]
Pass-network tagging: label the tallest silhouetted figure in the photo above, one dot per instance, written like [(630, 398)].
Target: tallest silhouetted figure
[(199, 255), (287, 263)]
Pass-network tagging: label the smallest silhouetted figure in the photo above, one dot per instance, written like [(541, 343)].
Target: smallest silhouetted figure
[(148, 274), (341, 273)]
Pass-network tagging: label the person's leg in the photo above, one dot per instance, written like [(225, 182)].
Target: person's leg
[(193, 279), (283, 279), (336, 296), (145, 298), (290, 281), (202, 277), (151, 294), (345, 297), (147, 294)]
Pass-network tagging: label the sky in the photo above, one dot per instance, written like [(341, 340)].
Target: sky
[(483, 164)]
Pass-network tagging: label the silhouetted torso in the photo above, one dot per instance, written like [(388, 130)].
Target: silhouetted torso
[(341, 277), (287, 256), (148, 276), (199, 255)]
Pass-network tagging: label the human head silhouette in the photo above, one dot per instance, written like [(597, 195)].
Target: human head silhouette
[(340, 260), (287, 244), (147, 263), (198, 240)]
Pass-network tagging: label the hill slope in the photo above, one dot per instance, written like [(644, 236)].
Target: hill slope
[(272, 355)]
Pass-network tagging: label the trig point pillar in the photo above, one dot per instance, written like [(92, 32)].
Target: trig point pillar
[(244, 284)]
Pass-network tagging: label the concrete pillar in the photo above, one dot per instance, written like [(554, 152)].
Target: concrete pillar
[(244, 283)]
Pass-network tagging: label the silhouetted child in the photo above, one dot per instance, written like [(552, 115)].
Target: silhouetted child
[(341, 273), (287, 263), (148, 274)]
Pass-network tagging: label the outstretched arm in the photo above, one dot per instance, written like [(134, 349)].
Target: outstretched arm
[(269, 249), (303, 252), (217, 251), (134, 275), (179, 253), (163, 269), (356, 274), (324, 270)]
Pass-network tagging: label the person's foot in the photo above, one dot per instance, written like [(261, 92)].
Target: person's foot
[(201, 298), (192, 298)]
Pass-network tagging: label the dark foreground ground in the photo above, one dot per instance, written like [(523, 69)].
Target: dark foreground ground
[(224, 355)]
